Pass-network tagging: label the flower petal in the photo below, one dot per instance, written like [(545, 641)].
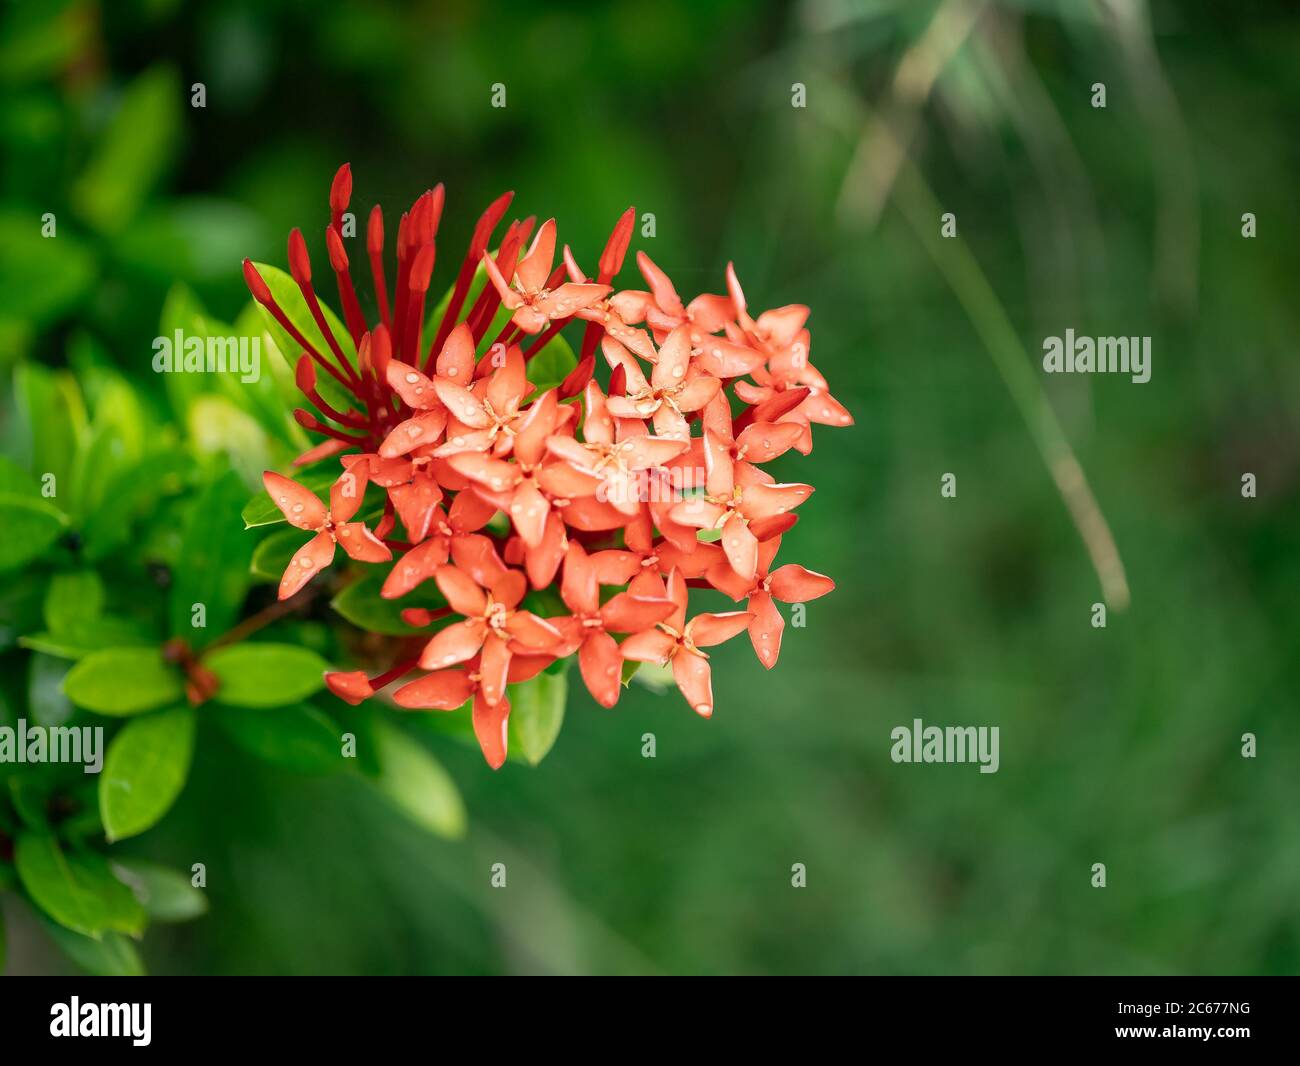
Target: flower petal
[(495, 474), (509, 382), (535, 427), (528, 511), (494, 667), (614, 566), (351, 687), (533, 632), (417, 565), (456, 360), (578, 588), (542, 561), (740, 546), (463, 404), (646, 452), (723, 359), (457, 643), (411, 385), (299, 505), (795, 584), (652, 646), (535, 267), (719, 470), (597, 426), (601, 666), (699, 389), (706, 630), (348, 492), (764, 501), (307, 562), (362, 545), (462, 591), (765, 628), (568, 299), (423, 429), (674, 359), (490, 721), (443, 690), (416, 505), (694, 679), (626, 613), (764, 441)]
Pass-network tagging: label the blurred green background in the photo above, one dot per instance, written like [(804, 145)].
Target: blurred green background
[(1119, 745)]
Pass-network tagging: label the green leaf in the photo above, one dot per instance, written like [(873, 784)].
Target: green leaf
[(262, 511), (46, 701), (30, 800), (166, 895), (552, 364), (84, 635), (50, 424), (416, 783), (20, 610), (112, 955), (654, 676), (213, 567), (219, 426), (123, 681), (131, 494), (273, 555), (298, 738), (30, 526), (266, 675), (76, 888), (72, 597), (145, 770), (14, 479), (40, 40), (199, 238), (136, 148), (114, 445), (361, 604), (536, 714), (41, 278)]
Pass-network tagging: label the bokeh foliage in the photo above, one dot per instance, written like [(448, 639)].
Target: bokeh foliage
[(1119, 745)]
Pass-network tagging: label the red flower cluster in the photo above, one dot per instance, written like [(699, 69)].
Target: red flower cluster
[(611, 487)]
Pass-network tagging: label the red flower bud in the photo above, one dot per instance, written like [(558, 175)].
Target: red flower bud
[(255, 283), (422, 269), (338, 257), (341, 189), (299, 260)]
